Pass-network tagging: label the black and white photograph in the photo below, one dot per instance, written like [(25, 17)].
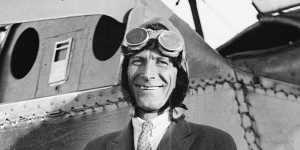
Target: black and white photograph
[(149, 75)]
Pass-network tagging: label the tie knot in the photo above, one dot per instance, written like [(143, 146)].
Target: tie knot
[(147, 126)]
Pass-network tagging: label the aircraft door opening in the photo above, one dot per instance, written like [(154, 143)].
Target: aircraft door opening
[(60, 61)]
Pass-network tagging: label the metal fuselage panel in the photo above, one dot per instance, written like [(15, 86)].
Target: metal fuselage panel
[(80, 67)]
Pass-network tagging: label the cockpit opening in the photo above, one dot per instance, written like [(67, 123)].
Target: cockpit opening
[(269, 33)]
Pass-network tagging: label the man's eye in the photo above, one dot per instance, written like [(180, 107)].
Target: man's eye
[(163, 62), (136, 62)]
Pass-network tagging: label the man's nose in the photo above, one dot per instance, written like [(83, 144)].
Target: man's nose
[(149, 71)]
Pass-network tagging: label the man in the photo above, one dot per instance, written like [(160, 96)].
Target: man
[(154, 79)]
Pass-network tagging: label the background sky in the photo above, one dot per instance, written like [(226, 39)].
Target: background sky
[(221, 19)]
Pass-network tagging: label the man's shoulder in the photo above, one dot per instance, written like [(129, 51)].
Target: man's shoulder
[(102, 141), (207, 130), (211, 135)]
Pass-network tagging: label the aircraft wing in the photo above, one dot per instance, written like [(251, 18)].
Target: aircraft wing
[(267, 6), (14, 11)]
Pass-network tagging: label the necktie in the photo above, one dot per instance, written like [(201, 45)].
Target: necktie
[(144, 138)]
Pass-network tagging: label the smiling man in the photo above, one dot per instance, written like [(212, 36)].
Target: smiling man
[(154, 80), (151, 78)]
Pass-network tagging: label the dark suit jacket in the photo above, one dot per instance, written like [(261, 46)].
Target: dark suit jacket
[(180, 135)]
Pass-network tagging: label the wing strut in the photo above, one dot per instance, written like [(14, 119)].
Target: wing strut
[(195, 13)]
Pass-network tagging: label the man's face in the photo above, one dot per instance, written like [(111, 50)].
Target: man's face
[(151, 78)]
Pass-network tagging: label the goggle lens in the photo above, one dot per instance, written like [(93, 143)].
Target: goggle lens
[(136, 36), (170, 41)]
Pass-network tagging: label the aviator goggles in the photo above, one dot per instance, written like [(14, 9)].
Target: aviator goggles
[(170, 42)]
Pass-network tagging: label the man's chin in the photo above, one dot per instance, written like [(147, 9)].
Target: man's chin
[(150, 107), (144, 109)]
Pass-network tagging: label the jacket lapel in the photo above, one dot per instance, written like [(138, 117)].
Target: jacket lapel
[(177, 137), (124, 141)]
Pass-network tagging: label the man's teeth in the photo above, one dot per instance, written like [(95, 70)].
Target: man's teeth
[(148, 87)]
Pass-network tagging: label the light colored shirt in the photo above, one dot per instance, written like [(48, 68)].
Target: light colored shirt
[(160, 125)]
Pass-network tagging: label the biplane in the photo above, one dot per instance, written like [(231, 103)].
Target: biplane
[(59, 75)]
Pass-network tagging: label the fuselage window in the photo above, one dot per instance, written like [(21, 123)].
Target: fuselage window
[(60, 62), (24, 53), (107, 37)]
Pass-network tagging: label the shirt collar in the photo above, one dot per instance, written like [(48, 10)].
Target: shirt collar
[(160, 125), (159, 121)]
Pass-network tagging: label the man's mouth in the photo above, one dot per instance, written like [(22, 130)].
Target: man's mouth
[(148, 87)]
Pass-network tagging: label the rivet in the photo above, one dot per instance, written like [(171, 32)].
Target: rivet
[(100, 94), (280, 94), (219, 86), (110, 107), (229, 75), (193, 81), (120, 99), (260, 91), (292, 97), (56, 88), (89, 96)]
